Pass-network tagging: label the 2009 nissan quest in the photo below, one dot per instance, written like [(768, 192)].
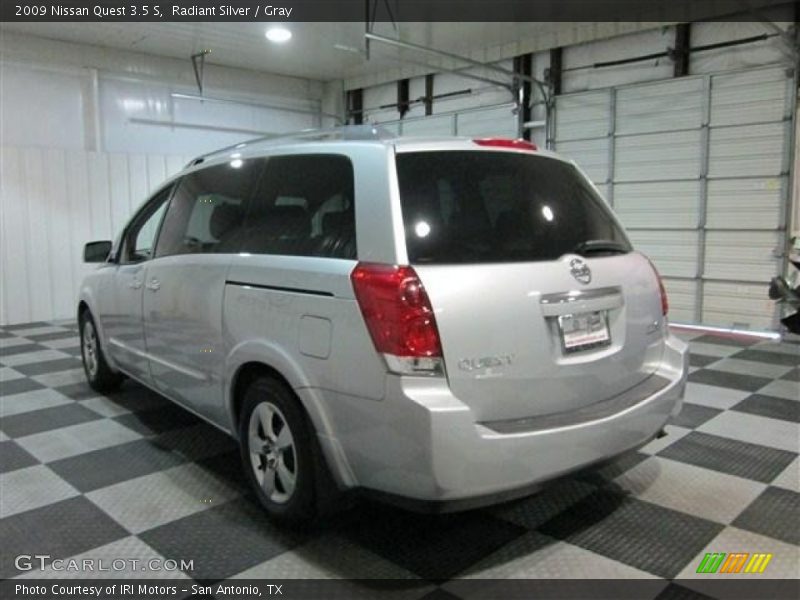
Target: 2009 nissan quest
[(444, 323)]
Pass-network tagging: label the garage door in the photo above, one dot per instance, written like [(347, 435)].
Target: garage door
[(698, 170), (499, 120)]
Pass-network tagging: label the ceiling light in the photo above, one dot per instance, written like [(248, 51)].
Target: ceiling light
[(279, 35)]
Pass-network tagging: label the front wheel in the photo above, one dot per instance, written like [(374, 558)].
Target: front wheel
[(276, 447), (99, 375)]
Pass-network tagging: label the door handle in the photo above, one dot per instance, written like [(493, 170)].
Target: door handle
[(153, 284), (135, 284)]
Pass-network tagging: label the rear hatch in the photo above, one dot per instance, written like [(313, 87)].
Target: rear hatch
[(542, 306)]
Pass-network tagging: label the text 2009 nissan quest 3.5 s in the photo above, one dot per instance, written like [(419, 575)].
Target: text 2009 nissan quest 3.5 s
[(439, 322)]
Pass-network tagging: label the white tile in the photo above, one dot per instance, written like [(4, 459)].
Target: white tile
[(103, 406), (3, 437), (34, 487), (14, 341), (755, 429), (77, 439), (27, 358), (782, 388), (750, 367), (780, 348), (713, 349), (534, 556), (330, 556), (68, 377), (693, 490), (151, 500), (64, 343), (127, 550), (783, 564), (38, 330), (790, 477), (713, 396), (7, 374), (674, 433), (33, 400)]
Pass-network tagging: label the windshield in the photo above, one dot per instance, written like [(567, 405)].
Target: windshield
[(481, 207)]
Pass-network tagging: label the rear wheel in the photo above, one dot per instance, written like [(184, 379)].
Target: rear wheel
[(100, 376), (277, 450)]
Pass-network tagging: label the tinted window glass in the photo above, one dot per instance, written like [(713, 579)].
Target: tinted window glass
[(303, 207), (483, 207), (207, 210), (141, 236)]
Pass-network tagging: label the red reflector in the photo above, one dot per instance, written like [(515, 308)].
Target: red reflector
[(506, 143), (661, 289), (397, 310)]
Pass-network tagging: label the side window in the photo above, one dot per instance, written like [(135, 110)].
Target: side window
[(140, 238), (207, 211), (303, 207)]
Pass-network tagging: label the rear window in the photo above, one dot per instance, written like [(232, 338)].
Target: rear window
[(481, 207)]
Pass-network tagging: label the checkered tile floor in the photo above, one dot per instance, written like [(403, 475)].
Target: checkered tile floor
[(130, 475)]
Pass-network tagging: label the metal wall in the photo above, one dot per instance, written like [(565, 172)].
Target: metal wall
[(698, 169)]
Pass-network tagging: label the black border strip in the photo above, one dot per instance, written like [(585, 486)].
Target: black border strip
[(280, 288)]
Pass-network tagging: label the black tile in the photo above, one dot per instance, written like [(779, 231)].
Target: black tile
[(196, 442), (135, 397), (646, 536), (553, 499), (227, 467), (774, 514), (49, 337), (694, 415), (772, 358), (736, 381), (49, 366), (72, 351), (158, 420), (45, 419), (701, 360), (4, 335), (18, 386), (607, 471), (77, 391), (434, 547), (742, 459), (60, 530), (13, 457), (21, 349), (769, 406), (107, 466), (725, 340), (223, 540), (793, 375), (31, 325)]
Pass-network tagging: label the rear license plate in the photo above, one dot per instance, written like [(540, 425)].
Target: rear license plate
[(584, 331)]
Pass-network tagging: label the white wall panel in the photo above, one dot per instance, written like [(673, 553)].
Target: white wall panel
[(658, 156), (658, 205), (591, 155), (738, 305), (750, 97), (748, 151), (682, 294), (745, 203), (673, 252), (501, 122), (53, 201), (582, 116), (429, 126), (660, 107), (737, 256)]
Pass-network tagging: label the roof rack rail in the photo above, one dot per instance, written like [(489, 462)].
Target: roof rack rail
[(345, 132)]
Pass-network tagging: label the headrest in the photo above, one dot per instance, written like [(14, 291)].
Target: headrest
[(224, 218)]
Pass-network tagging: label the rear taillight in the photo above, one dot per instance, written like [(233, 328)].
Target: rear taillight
[(399, 317), (661, 290), (506, 143)]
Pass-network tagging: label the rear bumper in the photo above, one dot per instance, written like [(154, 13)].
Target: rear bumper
[(422, 445)]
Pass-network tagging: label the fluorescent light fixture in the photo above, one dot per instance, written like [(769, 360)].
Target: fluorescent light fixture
[(278, 35)]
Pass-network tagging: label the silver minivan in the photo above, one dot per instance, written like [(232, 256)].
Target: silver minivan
[(441, 323)]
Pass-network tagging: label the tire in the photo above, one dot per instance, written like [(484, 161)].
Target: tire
[(277, 449), (99, 375)]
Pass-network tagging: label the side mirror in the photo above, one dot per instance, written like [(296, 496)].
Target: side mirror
[(96, 252)]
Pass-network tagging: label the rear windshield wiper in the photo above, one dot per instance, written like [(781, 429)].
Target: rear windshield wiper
[(600, 247)]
